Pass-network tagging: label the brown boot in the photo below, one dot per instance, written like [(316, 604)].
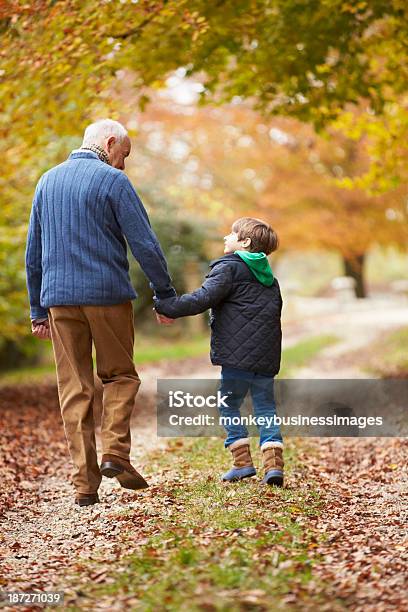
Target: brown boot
[(272, 455), (243, 465), (113, 466)]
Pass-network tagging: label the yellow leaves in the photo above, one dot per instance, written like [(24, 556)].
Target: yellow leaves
[(158, 84), (345, 183), (324, 110), (353, 8), (323, 68)]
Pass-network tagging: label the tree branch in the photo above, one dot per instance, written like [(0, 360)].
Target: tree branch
[(141, 25)]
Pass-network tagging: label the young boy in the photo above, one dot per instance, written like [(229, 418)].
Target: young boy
[(246, 304)]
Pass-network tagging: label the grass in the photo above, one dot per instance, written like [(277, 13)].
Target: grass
[(214, 546), (34, 374), (303, 352), (149, 350), (389, 355)]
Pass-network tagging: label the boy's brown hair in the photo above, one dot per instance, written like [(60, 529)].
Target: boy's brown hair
[(263, 237)]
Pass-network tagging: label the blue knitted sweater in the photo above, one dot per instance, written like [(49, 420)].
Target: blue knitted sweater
[(83, 209)]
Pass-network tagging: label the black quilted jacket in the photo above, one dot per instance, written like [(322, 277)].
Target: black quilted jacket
[(245, 316)]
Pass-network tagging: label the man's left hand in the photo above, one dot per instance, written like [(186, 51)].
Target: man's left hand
[(41, 330)]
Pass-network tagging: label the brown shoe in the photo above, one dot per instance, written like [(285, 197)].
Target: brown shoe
[(243, 466), (83, 499), (272, 456), (113, 466)]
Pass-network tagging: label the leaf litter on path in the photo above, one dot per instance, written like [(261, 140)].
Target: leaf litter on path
[(360, 542)]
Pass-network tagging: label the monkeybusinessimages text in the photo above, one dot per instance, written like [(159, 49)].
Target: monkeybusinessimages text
[(182, 399)]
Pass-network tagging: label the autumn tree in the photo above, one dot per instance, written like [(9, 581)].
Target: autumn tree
[(229, 161), (302, 58), (304, 197), (62, 62)]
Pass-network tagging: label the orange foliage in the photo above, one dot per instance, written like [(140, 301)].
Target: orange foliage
[(226, 162)]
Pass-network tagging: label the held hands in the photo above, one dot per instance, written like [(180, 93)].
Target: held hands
[(41, 330), (162, 319)]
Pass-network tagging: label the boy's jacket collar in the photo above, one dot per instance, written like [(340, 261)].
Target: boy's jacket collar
[(257, 263), (229, 257)]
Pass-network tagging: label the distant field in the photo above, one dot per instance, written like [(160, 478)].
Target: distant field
[(151, 351)]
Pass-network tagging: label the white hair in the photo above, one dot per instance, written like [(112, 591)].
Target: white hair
[(97, 132)]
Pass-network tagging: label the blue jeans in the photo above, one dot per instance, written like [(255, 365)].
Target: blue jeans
[(236, 384)]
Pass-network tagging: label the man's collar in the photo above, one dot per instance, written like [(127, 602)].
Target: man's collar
[(76, 153), (91, 152), (101, 153)]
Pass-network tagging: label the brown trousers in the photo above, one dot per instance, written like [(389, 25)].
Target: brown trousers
[(72, 330)]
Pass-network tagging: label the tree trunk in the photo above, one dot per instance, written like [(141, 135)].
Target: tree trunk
[(354, 267)]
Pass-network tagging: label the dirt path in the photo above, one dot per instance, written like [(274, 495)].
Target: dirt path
[(356, 325), (47, 541), (43, 534), (363, 484)]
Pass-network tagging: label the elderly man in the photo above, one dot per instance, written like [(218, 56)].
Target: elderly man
[(80, 291)]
